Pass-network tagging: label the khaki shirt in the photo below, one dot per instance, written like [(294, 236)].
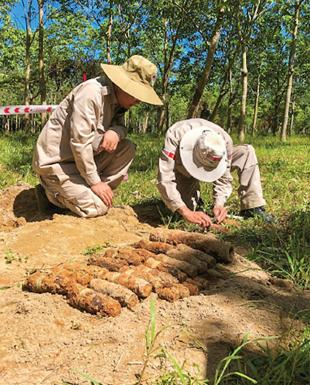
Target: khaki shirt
[(170, 163), (72, 135)]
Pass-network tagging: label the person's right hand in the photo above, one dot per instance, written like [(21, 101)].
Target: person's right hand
[(104, 192), (198, 217), (110, 141)]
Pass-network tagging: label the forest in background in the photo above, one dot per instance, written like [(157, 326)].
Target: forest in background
[(248, 60)]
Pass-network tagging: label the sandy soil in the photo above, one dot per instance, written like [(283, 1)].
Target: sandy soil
[(42, 338)]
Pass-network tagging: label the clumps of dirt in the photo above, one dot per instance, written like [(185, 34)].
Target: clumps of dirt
[(18, 206), (119, 276)]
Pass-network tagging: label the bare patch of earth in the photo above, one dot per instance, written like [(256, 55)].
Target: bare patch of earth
[(42, 338)]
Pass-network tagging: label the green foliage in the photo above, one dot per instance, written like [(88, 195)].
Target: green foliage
[(15, 158), (74, 32), (91, 250), (291, 262), (9, 256), (79, 35), (287, 366), (146, 158)]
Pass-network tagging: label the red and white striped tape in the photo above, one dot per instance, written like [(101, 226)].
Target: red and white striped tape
[(16, 110)]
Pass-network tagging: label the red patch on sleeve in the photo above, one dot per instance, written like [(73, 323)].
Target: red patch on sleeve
[(169, 154)]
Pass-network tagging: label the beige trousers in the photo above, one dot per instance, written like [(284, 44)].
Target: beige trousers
[(250, 190), (72, 192)]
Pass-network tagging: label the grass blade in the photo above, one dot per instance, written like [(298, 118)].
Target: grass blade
[(152, 320), (88, 378)]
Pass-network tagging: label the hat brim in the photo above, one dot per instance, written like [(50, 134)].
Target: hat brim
[(192, 165), (139, 91)]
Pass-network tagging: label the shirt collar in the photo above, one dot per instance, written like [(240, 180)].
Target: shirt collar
[(118, 107), (112, 91), (109, 89), (106, 82)]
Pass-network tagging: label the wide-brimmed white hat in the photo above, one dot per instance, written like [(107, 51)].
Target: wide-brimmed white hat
[(136, 77), (203, 154)]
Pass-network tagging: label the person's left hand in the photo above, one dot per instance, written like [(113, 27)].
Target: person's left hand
[(220, 213), (110, 141), (104, 192)]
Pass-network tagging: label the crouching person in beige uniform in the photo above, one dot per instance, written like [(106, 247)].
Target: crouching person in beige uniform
[(82, 153), (197, 150)]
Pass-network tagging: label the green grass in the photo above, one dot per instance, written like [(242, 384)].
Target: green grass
[(282, 248), (15, 159)]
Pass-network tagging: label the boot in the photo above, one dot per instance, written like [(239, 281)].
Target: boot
[(45, 206), (257, 212)]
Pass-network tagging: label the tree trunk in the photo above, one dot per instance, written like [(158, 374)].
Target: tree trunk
[(27, 78), (7, 124), (290, 72), (244, 37), (206, 72), (244, 75), (224, 90), (167, 70), (129, 124), (292, 118), (162, 116), (145, 122), (164, 83), (230, 102), (167, 116), (109, 32), (256, 105), (275, 121), (41, 61)]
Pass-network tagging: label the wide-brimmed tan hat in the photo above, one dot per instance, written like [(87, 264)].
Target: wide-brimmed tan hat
[(136, 77), (203, 154)]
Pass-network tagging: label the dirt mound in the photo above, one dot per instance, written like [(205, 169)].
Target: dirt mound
[(42, 338)]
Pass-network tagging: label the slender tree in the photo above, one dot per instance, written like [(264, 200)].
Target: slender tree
[(41, 61), (28, 18), (164, 29), (290, 70), (230, 58), (109, 32), (256, 104), (208, 64), (246, 19)]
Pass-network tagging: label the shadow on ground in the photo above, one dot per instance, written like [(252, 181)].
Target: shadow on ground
[(26, 206)]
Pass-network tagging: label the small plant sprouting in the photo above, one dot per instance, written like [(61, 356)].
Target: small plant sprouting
[(160, 352), (9, 256), (75, 326), (91, 250)]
